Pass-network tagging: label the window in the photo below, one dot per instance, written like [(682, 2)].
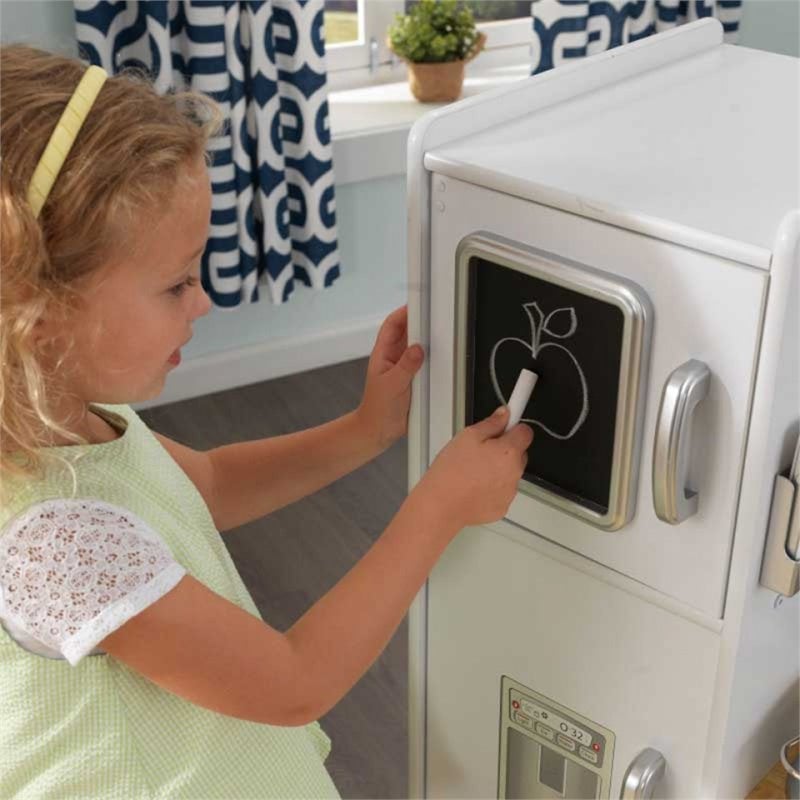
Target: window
[(355, 37), (343, 24), (355, 34)]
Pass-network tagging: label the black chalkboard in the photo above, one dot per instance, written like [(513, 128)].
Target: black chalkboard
[(573, 342)]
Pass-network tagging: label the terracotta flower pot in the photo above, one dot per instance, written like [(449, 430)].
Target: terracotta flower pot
[(439, 81)]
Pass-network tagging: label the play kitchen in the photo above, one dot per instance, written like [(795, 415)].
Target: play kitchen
[(626, 229)]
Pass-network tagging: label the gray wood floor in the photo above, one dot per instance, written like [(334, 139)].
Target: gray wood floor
[(290, 558)]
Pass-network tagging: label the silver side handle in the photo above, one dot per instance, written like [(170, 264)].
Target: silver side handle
[(780, 569), (643, 776), (685, 388)]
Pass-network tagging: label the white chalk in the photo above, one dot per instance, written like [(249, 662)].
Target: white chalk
[(520, 396)]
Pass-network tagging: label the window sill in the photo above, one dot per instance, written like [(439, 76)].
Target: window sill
[(370, 125)]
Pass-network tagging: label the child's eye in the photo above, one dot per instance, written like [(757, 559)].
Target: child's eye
[(179, 288)]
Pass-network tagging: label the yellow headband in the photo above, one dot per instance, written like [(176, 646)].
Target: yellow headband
[(63, 137)]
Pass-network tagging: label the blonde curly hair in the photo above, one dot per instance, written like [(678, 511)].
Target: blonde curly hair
[(133, 147)]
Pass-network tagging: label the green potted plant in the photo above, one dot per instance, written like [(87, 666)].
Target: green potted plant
[(435, 39)]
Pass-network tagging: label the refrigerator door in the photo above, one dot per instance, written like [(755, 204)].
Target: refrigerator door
[(614, 673), (705, 310)]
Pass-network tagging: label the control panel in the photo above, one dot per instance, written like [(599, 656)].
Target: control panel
[(548, 750)]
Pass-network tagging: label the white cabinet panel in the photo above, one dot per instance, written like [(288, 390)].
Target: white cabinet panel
[(498, 608), (705, 308)]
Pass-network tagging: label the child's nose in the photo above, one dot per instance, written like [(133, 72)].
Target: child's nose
[(202, 304)]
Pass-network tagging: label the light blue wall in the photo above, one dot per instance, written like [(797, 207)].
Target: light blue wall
[(371, 214), (44, 23), (771, 25)]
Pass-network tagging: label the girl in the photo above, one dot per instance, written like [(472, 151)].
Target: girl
[(133, 661)]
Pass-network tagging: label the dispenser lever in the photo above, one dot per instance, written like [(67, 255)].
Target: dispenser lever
[(685, 388), (643, 775)]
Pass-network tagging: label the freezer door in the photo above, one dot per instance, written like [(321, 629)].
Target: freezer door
[(705, 311)]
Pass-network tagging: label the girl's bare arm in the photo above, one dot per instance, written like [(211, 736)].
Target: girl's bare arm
[(245, 481), (198, 645), (253, 479)]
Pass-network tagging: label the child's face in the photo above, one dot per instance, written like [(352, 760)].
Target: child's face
[(140, 309)]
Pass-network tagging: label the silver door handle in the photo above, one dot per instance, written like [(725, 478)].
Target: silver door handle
[(685, 388), (643, 775)]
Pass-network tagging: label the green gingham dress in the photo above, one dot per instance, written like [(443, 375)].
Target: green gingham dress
[(99, 729)]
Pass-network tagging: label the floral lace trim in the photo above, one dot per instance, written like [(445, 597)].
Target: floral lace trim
[(84, 641), (72, 571)]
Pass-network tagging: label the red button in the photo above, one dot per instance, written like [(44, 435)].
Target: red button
[(596, 747), (515, 704)]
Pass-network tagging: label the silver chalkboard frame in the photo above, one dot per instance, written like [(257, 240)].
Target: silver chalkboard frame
[(637, 312)]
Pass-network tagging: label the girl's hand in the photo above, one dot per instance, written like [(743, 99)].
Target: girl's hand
[(383, 412), (474, 478)]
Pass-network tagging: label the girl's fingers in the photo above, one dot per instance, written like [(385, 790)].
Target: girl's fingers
[(395, 324), (392, 338)]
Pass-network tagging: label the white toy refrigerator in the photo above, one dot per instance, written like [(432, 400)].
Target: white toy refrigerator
[(626, 227)]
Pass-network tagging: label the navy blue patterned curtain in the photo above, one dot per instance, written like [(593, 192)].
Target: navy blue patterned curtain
[(567, 29), (273, 218)]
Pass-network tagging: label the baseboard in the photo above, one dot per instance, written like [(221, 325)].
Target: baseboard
[(227, 370)]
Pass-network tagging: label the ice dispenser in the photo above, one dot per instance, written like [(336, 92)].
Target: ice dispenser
[(615, 634), (549, 751)]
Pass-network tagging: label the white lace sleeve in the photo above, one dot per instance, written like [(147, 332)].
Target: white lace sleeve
[(73, 571)]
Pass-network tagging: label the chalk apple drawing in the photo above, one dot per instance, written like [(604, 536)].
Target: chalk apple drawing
[(544, 324)]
